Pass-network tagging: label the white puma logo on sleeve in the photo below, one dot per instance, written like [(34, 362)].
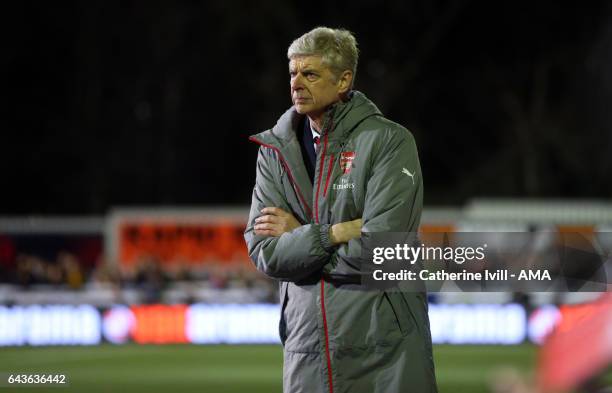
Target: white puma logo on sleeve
[(407, 172)]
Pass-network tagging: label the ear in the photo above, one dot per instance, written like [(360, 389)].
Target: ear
[(344, 81)]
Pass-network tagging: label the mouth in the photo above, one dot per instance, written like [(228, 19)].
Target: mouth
[(300, 100)]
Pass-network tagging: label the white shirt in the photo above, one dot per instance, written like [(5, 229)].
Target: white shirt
[(315, 134)]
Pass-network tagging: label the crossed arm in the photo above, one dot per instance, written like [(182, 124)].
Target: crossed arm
[(275, 221)]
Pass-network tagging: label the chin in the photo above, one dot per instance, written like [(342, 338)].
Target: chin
[(301, 109)]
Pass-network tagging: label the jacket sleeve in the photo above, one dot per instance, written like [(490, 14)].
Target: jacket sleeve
[(394, 193), (293, 255)]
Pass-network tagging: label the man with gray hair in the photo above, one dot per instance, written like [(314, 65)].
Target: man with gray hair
[(330, 171)]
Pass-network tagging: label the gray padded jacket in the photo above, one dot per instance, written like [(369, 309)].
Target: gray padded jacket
[(337, 336)]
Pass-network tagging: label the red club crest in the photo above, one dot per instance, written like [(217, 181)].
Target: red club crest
[(346, 161)]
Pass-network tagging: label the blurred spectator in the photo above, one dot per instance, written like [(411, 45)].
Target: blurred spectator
[(152, 280), (73, 276), (54, 274), (106, 274), (30, 270), (219, 277), (183, 273)]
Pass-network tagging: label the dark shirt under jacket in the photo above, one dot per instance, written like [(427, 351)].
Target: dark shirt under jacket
[(307, 147)]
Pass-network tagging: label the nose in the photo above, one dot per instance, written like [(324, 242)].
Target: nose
[(296, 82)]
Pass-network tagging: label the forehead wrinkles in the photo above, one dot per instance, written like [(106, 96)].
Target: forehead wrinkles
[(301, 63)]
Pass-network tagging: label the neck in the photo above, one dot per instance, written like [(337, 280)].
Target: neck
[(316, 123)]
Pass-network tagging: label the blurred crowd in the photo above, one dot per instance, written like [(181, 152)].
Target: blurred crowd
[(32, 272)]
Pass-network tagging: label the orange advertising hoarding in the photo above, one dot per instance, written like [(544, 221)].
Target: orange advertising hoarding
[(177, 236), (159, 324), (182, 242)]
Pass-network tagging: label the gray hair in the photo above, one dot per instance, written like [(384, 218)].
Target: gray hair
[(337, 48)]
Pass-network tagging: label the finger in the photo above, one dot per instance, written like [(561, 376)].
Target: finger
[(273, 210), (264, 232), (267, 218), (266, 226)]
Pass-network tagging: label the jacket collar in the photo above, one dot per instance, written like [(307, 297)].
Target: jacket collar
[(339, 121)]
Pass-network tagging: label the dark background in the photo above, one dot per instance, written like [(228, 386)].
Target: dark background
[(151, 103)]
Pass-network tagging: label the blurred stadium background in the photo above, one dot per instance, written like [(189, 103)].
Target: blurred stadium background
[(146, 299), (126, 175)]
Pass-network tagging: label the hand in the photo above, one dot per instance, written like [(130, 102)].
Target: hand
[(275, 222), (345, 231)]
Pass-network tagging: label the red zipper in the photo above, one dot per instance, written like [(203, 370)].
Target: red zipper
[(329, 367), (291, 179), (327, 354), (329, 170), (319, 179)]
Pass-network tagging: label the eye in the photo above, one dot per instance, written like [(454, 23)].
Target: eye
[(311, 76)]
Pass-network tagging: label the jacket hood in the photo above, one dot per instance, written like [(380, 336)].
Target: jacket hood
[(340, 119)]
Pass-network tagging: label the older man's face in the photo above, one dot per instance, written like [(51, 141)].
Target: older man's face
[(313, 85)]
